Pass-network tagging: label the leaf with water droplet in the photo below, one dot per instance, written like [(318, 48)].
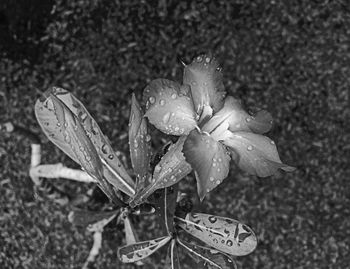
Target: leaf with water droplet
[(258, 154), (224, 234), (141, 250), (235, 118), (170, 170), (206, 83), (64, 125), (86, 139), (171, 116), (139, 143), (208, 159), (208, 257)]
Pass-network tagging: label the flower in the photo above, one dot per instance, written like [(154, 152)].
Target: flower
[(213, 125)]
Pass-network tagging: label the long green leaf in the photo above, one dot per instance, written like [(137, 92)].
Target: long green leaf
[(68, 124), (208, 257), (140, 250)]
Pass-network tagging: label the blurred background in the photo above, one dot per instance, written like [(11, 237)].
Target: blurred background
[(288, 57)]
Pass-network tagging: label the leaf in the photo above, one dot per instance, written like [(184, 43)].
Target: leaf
[(237, 119), (224, 234), (140, 250), (139, 142), (257, 153), (69, 126), (204, 77), (130, 234), (169, 171), (173, 261), (165, 208), (64, 129), (169, 107), (94, 221), (208, 256), (208, 159)]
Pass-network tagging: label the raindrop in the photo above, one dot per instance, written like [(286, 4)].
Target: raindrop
[(148, 138), (162, 102), (207, 60), (110, 156), (218, 69), (166, 117), (199, 58), (157, 168), (58, 124), (272, 142), (152, 100), (173, 96), (218, 182), (104, 149), (249, 148), (211, 179)]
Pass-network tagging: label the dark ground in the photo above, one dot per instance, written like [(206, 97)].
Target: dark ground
[(291, 58)]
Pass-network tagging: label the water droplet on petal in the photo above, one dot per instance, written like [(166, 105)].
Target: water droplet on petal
[(250, 148), (148, 138), (218, 182), (110, 156), (152, 100), (199, 58), (166, 117), (272, 142), (176, 129), (58, 124), (157, 168), (173, 96), (162, 102), (207, 60), (211, 179)]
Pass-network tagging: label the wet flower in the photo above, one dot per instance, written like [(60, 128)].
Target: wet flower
[(214, 125)]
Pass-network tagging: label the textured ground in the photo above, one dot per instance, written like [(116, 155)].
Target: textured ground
[(289, 58)]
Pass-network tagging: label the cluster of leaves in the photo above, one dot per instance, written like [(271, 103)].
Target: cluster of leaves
[(209, 127)]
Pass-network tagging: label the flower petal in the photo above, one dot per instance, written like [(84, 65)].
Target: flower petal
[(170, 170), (77, 127), (204, 77), (238, 119), (139, 142), (169, 107), (257, 153), (209, 160), (224, 234)]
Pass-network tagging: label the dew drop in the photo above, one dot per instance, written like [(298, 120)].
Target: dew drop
[(211, 179), (220, 160), (219, 169), (162, 102), (65, 124), (104, 149), (249, 148), (272, 142), (173, 96), (214, 164), (58, 124), (207, 60), (248, 119), (218, 182), (166, 117), (110, 156), (199, 58), (176, 129), (152, 100), (148, 138)]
